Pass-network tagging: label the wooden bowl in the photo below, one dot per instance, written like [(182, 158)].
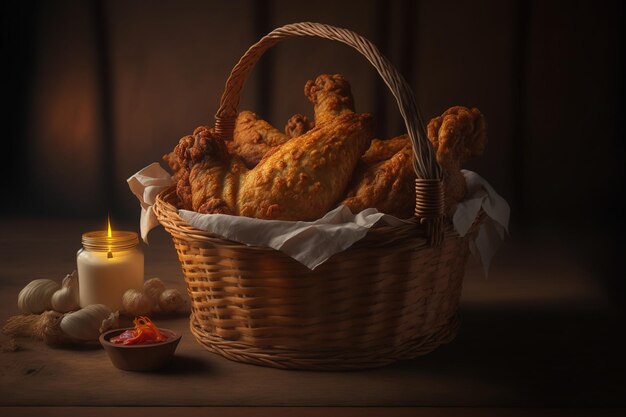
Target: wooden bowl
[(148, 357)]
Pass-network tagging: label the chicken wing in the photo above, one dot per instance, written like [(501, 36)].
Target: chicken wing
[(384, 176), (253, 137), (458, 135), (330, 95), (384, 179), (381, 150), (203, 159), (298, 125), (214, 174)]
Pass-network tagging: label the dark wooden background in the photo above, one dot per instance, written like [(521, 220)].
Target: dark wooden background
[(95, 90)]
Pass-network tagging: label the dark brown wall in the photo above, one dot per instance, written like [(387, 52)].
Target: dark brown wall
[(108, 87)]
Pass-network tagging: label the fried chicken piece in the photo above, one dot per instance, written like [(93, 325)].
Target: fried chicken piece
[(330, 95), (458, 135), (298, 125), (381, 150), (181, 174), (299, 181), (214, 174), (254, 137), (385, 179), (178, 166), (305, 176), (173, 162)]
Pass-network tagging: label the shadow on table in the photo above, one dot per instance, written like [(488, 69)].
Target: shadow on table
[(545, 356), (80, 347), (185, 365)]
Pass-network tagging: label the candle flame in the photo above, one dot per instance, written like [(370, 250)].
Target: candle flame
[(109, 235)]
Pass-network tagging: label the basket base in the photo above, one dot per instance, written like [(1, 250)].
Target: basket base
[(327, 360)]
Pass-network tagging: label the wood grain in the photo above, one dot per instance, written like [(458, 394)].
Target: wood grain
[(538, 333)]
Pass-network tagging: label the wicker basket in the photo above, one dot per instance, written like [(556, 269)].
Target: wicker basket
[(393, 295)]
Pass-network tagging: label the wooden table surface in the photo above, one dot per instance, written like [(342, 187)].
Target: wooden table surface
[(540, 332)]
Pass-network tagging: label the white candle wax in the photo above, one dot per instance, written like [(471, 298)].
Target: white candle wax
[(103, 280), (108, 266)]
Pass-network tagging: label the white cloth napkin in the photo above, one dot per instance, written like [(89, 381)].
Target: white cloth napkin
[(492, 231), (146, 185), (312, 243)]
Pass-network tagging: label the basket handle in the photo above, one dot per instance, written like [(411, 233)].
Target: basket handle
[(428, 185)]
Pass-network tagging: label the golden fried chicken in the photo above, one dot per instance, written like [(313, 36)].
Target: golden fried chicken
[(253, 137), (298, 175), (179, 170), (300, 180), (330, 95), (305, 176), (210, 182), (298, 125), (458, 135), (384, 179), (174, 163), (381, 150)]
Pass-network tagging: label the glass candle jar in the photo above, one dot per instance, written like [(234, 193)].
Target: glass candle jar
[(107, 267)]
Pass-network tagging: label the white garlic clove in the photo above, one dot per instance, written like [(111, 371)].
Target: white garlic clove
[(137, 303), (36, 296), (110, 323), (85, 323), (153, 288), (171, 300), (66, 299)]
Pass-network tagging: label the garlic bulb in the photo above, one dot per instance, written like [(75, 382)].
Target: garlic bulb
[(153, 288), (66, 299), (111, 322), (85, 324), (137, 303), (36, 296), (171, 300)]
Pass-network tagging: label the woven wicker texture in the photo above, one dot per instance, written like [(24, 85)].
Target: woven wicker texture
[(393, 295)]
